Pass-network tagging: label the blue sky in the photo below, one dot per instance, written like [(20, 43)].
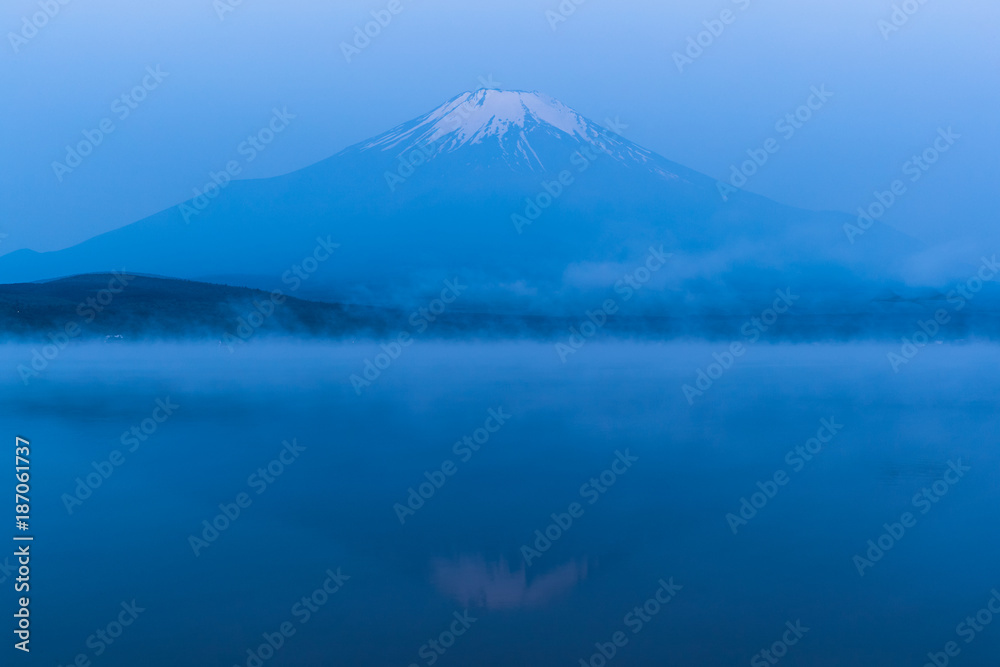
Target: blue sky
[(224, 76)]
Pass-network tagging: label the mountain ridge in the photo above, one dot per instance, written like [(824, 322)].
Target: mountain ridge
[(473, 117), (459, 212)]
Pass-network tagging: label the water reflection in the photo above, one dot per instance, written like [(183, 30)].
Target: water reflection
[(473, 582)]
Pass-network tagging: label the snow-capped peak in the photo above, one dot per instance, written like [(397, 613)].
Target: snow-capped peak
[(488, 112), (511, 120)]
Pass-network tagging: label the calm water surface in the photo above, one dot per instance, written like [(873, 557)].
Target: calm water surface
[(494, 439)]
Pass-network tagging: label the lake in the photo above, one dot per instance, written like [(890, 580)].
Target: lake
[(484, 503)]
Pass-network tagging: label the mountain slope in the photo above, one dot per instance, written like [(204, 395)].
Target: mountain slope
[(533, 205)]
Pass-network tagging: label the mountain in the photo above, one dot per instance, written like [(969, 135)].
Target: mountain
[(535, 207), (516, 127), (125, 307)]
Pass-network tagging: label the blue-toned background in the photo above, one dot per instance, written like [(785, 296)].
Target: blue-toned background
[(209, 73), (607, 60)]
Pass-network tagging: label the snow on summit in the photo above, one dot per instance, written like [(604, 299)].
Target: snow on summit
[(474, 116), (509, 120)]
